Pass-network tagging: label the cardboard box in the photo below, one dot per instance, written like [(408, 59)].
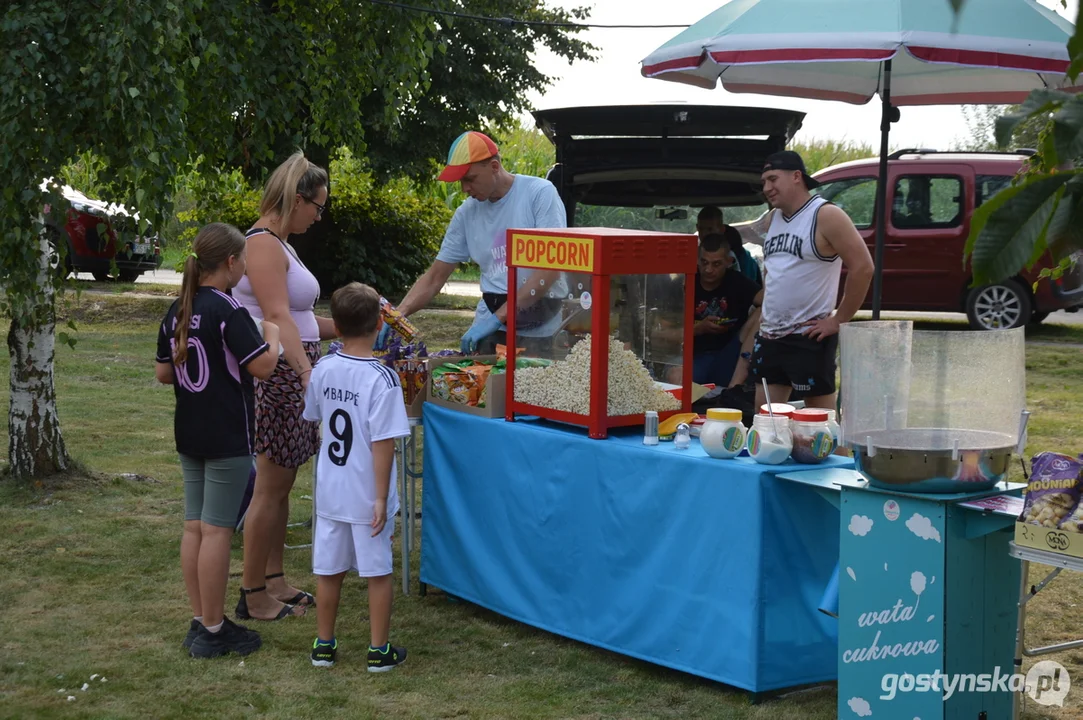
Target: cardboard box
[(495, 393), (1063, 542)]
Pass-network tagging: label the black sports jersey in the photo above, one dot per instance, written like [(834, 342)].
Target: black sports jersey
[(215, 416)]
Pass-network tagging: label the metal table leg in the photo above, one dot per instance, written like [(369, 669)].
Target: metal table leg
[(1021, 619), (404, 513)]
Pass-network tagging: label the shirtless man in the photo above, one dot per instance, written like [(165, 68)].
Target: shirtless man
[(807, 244)]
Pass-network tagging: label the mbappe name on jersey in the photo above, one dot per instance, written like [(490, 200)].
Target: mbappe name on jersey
[(347, 397)]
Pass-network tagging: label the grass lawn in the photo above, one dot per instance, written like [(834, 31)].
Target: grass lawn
[(90, 565)]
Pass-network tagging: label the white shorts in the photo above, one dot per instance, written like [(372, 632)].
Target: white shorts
[(341, 546)]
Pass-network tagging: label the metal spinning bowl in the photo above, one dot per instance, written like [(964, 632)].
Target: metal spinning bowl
[(933, 460)]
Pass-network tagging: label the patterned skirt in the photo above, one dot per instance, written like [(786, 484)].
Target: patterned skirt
[(287, 438)]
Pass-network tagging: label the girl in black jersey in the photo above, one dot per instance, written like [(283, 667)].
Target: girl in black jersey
[(209, 348)]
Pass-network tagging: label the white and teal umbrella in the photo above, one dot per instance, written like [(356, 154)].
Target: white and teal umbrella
[(910, 52)]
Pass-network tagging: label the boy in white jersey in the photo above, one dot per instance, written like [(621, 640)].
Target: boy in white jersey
[(807, 244), (358, 402)]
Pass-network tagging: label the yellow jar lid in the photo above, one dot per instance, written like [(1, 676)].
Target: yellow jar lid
[(728, 414)]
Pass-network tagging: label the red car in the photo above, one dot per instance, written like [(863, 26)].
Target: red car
[(91, 235), (932, 196)]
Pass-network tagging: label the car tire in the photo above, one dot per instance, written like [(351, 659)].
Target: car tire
[(63, 266), (1000, 306), (129, 276)]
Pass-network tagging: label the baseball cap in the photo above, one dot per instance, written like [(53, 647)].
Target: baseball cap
[(789, 160), (468, 148)]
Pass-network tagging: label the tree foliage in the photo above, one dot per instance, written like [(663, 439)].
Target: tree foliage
[(148, 86), (1042, 210), (981, 126)]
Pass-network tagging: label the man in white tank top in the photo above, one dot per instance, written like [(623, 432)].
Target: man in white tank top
[(807, 244)]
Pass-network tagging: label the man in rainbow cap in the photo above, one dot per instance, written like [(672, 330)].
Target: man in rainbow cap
[(498, 200)]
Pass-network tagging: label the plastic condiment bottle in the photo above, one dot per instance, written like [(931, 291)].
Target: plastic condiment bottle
[(812, 439), (833, 423), (723, 435), (770, 440), (650, 427)]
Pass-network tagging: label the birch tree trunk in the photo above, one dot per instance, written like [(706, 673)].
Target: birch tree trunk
[(35, 443)]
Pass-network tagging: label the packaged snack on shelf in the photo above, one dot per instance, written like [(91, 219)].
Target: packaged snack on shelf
[(484, 376), (1053, 491)]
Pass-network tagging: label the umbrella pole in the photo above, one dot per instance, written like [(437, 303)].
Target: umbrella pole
[(890, 114)]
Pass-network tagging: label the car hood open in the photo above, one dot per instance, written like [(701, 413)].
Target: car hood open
[(651, 155)]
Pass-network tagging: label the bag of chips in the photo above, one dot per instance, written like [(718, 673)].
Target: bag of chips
[(1053, 490)]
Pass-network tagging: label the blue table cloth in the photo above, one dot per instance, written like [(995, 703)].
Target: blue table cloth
[(712, 567)]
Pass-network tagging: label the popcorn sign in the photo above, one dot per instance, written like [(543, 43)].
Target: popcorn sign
[(552, 252)]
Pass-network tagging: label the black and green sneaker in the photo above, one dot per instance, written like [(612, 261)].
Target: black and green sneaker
[(193, 630), (386, 658), (323, 652)]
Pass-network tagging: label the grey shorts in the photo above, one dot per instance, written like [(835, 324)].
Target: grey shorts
[(214, 489)]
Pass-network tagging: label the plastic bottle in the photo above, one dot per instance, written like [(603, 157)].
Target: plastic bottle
[(650, 428)]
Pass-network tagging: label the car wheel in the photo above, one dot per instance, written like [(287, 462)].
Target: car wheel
[(129, 276), (63, 266), (998, 307)]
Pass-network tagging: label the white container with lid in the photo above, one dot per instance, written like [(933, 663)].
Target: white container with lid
[(812, 439), (723, 435), (833, 423), (770, 441)]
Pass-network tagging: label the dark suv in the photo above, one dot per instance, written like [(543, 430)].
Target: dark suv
[(931, 196), (648, 167), (91, 235)]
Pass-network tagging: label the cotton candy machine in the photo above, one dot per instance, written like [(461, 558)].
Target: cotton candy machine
[(932, 411)]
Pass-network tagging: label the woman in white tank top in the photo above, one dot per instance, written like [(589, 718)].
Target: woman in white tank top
[(281, 289)]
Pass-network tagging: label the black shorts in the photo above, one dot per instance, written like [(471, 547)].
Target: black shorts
[(806, 365)]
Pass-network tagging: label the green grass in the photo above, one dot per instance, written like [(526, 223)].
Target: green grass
[(466, 272), (90, 564)]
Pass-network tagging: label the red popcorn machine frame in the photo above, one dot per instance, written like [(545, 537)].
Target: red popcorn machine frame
[(602, 254)]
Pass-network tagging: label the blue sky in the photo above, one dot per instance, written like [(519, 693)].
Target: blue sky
[(614, 79)]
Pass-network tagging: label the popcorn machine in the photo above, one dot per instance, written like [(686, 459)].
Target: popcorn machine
[(610, 315)]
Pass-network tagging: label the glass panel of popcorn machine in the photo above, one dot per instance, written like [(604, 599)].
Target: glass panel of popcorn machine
[(646, 342), (556, 315)]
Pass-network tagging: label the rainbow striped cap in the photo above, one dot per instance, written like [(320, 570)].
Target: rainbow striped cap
[(468, 148)]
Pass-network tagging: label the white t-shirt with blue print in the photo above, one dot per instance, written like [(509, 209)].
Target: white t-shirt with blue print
[(478, 232)]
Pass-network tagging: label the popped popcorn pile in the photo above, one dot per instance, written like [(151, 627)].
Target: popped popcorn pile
[(565, 385)]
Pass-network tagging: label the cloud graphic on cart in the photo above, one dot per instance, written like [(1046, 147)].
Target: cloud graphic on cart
[(922, 527), (860, 706), (860, 525)]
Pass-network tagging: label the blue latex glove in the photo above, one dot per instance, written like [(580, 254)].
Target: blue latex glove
[(382, 338), (478, 332)]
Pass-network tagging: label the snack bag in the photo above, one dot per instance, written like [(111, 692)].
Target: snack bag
[(1074, 521), (1053, 491), (502, 351), (457, 387), (397, 320), (481, 376)]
